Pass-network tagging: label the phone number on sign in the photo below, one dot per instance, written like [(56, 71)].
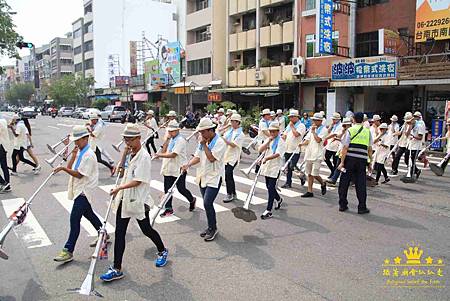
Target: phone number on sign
[(431, 23)]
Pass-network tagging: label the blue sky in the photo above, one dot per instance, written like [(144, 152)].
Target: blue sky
[(39, 21)]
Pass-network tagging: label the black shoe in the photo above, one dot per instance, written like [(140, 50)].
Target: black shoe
[(211, 234), (286, 186), (394, 172), (418, 173), (192, 204), (203, 234), (302, 181), (363, 211), (266, 215), (166, 213), (278, 204), (343, 209), (323, 188), (307, 195), (387, 180)]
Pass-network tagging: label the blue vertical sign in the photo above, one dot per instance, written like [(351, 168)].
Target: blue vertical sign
[(437, 130), (324, 26)]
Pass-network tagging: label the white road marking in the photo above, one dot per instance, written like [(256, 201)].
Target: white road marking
[(53, 127), (61, 197), (159, 220), (30, 231), (261, 185), (241, 195)]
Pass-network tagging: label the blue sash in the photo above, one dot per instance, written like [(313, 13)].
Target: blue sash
[(172, 142), (275, 144), (288, 129), (80, 156), (211, 144), (230, 133)]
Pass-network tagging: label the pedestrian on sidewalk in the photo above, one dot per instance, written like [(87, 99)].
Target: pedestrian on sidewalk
[(5, 145)]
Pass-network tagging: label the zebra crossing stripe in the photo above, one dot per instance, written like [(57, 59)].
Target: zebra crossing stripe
[(260, 185), (159, 220), (160, 186), (61, 197), (241, 195), (30, 231)]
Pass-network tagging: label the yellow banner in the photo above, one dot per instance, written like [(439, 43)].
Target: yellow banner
[(432, 20)]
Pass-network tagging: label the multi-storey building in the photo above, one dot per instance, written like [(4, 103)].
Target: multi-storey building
[(259, 48), (61, 56), (83, 44), (24, 69)]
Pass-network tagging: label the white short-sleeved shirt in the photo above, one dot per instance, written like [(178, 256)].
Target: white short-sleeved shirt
[(382, 152), (315, 151), (282, 121), (98, 133), (374, 131), (292, 142), (333, 145), (392, 129), (171, 166), (233, 154), (4, 135), (134, 199), (414, 144), (87, 184), (263, 126), (210, 173), (272, 167), (21, 140), (151, 123), (403, 140)]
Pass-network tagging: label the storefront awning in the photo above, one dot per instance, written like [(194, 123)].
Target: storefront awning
[(215, 83), (364, 83), (247, 89), (184, 84), (196, 89), (421, 82)]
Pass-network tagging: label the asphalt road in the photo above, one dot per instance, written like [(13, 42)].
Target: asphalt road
[(308, 251)]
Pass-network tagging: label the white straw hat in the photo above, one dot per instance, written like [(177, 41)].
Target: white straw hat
[(279, 111), (394, 118), (173, 125), (376, 118), (172, 114), (346, 121), (383, 126), (131, 130), (93, 116), (408, 116), (265, 112), (417, 114), (221, 110), (336, 116), (229, 111), (317, 116), (293, 113), (205, 124), (78, 132), (150, 112), (274, 126), (236, 117)]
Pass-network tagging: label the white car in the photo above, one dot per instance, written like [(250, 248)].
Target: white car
[(90, 111)]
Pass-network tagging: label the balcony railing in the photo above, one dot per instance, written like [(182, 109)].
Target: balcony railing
[(420, 67)]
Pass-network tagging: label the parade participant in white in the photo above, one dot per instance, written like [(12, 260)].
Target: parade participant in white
[(210, 172), (382, 142), (263, 129), (233, 138), (271, 166), (415, 134), (132, 199), (402, 144), (332, 143), (314, 154), (83, 171), (5, 146), (346, 124), (97, 130), (293, 135), (20, 133), (152, 125), (173, 154), (281, 120)]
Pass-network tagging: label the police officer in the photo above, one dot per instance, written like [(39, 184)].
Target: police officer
[(357, 149)]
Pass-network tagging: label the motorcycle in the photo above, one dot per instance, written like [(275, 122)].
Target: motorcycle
[(189, 123)]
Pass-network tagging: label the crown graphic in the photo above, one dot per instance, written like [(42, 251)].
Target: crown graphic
[(413, 256)]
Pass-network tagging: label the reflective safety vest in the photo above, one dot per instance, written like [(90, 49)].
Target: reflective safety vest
[(359, 142)]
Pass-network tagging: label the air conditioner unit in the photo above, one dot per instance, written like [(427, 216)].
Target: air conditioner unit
[(259, 76), (268, 11), (287, 47), (298, 66)]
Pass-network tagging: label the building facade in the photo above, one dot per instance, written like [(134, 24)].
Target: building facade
[(61, 57)]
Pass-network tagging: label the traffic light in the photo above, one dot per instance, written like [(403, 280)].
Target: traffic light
[(24, 45)]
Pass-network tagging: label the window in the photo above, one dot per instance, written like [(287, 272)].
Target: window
[(197, 67), (78, 67), (77, 33), (364, 3), (89, 27), (88, 9), (249, 58), (202, 4), (66, 48), (249, 22), (89, 64), (66, 61), (88, 46), (367, 44), (203, 34), (311, 44), (310, 4), (77, 50)]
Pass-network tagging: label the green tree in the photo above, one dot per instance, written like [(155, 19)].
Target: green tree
[(8, 36), (100, 103), (70, 90), (19, 93)]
